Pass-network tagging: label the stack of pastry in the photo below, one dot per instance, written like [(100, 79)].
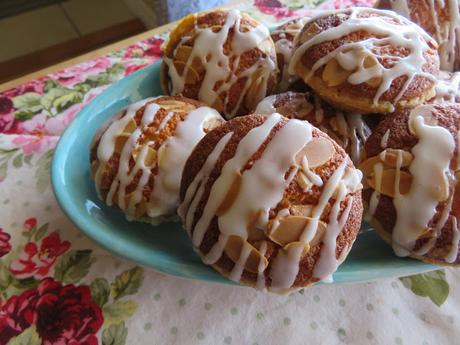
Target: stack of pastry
[(271, 198)]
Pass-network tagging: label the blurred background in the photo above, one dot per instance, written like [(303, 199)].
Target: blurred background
[(35, 34)]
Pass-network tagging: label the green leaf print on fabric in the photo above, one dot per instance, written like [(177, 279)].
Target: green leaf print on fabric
[(27, 105), (432, 284), (127, 283), (28, 337), (73, 266), (100, 291), (118, 311), (42, 174), (5, 157), (115, 334)]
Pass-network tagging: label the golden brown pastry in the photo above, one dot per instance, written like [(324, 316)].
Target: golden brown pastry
[(284, 36), (411, 182), (138, 156), (271, 202), (223, 58), (366, 60), (441, 19), (349, 130)]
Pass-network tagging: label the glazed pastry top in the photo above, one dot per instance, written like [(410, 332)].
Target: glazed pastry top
[(243, 200), (392, 47), (134, 146), (220, 52), (441, 19), (421, 178)]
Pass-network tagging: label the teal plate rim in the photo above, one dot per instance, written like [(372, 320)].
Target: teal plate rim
[(166, 247)]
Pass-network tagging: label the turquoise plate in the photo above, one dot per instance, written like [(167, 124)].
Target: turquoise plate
[(166, 247)]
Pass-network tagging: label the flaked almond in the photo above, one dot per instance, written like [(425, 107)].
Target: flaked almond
[(318, 151), (183, 52), (212, 123), (130, 126), (291, 228), (297, 246), (150, 157), (140, 209), (367, 167), (388, 182), (374, 82), (233, 250), (230, 196), (303, 181), (390, 157), (310, 31), (120, 141), (334, 74), (301, 210), (161, 156), (369, 61)]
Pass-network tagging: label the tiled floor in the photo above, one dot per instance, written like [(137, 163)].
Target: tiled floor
[(44, 27)]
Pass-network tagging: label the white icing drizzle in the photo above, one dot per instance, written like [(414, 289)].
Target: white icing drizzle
[(261, 268), (447, 87), (164, 197), (208, 47), (284, 46), (267, 105), (176, 149), (315, 179), (391, 29), (384, 141), (375, 197), (246, 148), (196, 188), (285, 267), (447, 31), (261, 188), (351, 131), (416, 208)]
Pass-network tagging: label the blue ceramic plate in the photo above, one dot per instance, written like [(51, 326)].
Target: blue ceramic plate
[(166, 247)]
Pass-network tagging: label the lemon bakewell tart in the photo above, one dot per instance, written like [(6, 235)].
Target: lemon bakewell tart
[(411, 182), (366, 60), (225, 59), (137, 157), (271, 202)]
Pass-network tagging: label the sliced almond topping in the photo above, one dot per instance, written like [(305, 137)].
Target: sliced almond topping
[(312, 30), (318, 151), (389, 180), (150, 157), (303, 181), (183, 52), (212, 123), (304, 247), (301, 210), (369, 61), (233, 251), (130, 126), (390, 157), (374, 82), (334, 74), (367, 167), (441, 191), (161, 155), (231, 195), (291, 228), (120, 141)]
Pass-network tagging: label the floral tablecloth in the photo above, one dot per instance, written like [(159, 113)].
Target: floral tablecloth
[(57, 287)]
